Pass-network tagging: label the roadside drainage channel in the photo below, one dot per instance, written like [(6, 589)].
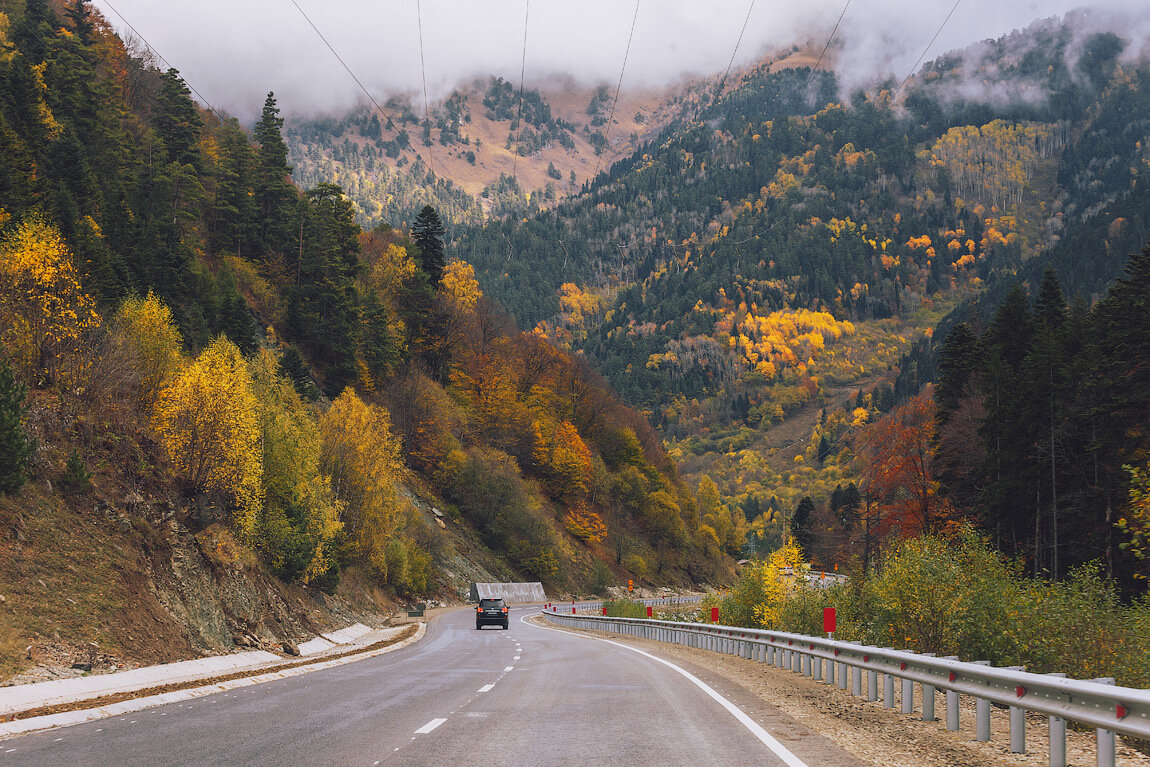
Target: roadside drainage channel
[(60, 692)]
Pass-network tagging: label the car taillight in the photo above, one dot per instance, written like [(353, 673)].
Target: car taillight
[(478, 609), (504, 609)]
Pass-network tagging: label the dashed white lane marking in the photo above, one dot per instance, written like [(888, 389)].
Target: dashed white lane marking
[(509, 668), (517, 657), (486, 688), (429, 726), (756, 729)]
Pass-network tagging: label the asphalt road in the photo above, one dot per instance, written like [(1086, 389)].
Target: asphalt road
[(527, 696)]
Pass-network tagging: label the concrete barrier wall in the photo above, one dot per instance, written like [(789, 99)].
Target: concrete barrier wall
[(512, 593)]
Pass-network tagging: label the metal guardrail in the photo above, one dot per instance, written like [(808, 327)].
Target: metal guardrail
[(596, 606), (1096, 703)]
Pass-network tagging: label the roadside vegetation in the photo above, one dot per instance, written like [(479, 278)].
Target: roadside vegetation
[(957, 595)]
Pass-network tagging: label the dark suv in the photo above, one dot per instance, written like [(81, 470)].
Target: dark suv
[(491, 612)]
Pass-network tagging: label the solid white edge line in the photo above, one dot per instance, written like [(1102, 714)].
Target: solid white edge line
[(764, 737), (429, 726)]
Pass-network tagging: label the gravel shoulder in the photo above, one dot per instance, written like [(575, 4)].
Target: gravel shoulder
[(875, 735)]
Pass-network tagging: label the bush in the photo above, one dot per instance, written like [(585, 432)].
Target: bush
[(625, 608)]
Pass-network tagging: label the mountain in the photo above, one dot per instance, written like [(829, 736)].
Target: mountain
[(234, 402)]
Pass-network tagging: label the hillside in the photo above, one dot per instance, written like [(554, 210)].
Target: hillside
[(272, 417), (791, 252), (472, 160)]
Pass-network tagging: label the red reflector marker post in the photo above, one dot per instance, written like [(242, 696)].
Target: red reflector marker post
[(829, 621), (714, 615), (648, 611)]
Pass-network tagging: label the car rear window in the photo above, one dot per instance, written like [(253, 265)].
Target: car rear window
[(490, 603)]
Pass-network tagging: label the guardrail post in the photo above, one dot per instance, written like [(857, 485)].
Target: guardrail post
[(907, 696), (1017, 723), (1057, 736), (856, 681), (830, 672), (796, 661), (842, 673), (887, 691), (982, 713), (1106, 744), (871, 685), (818, 668), (928, 697), (952, 715), (805, 661)]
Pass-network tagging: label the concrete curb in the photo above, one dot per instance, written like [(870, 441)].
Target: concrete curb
[(63, 719)]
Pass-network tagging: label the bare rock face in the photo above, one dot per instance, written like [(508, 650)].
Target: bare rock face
[(290, 648)]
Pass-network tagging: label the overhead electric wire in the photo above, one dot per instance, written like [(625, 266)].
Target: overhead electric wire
[(423, 72), (522, 73), (742, 31), (924, 51), (337, 56), (160, 56), (611, 117), (818, 63)]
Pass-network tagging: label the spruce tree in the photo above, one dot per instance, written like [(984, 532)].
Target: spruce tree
[(276, 199), (15, 447), (428, 232), (801, 529)]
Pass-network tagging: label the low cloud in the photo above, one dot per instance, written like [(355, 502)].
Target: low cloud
[(233, 53)]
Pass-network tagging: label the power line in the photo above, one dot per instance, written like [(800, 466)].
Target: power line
[(826, 47), (423, 71), (611, 118), (337, 56), (742, 31), (924, 51), (522, 73), (160, 56)]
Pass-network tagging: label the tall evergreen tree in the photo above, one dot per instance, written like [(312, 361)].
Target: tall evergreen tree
[(801, 525), (178, 121), (276, 198), (428, 232)]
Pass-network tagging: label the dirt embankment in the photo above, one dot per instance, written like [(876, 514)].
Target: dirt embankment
[(89, 586)]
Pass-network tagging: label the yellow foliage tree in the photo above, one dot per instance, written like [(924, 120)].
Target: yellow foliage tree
[(45, 317), (146, 328), (207, 420), (362, 457), (776, 578), (300, 517), (460, 287)]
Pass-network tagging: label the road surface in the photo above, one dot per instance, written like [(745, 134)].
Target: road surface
[(531, 695)]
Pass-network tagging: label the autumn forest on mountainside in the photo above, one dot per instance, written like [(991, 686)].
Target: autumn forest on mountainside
[(781, 313)]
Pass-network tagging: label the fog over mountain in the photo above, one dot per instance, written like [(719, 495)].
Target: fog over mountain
[(233, 53)]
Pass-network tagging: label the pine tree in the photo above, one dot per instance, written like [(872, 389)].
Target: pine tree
[(428, 232), (801, 529), (178, 121), (15, 447), (276, 198)]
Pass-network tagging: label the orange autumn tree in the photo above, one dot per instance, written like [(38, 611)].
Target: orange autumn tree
[(897, 455)]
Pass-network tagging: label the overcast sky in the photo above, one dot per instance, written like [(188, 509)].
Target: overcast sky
[(234, 51)]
